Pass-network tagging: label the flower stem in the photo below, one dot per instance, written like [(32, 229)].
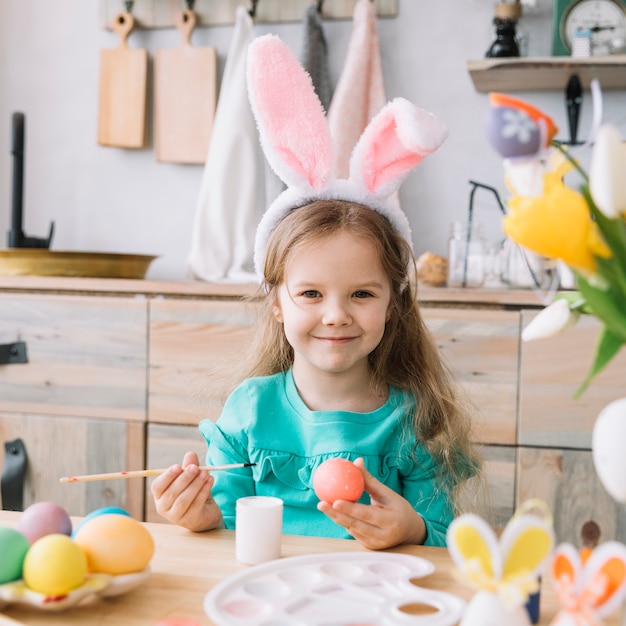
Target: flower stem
[(565, 152)]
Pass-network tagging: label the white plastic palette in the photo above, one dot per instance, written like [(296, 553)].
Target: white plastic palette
[(336, 589)]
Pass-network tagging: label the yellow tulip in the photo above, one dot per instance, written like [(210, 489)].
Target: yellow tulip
[(555, 225), (607, 172)]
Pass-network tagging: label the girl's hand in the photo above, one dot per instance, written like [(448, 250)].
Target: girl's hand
[(388, 521), (182, 495)]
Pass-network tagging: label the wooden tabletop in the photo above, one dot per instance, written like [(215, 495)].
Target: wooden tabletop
[(186, 566)]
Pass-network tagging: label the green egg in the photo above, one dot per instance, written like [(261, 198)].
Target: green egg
[(13, 548)]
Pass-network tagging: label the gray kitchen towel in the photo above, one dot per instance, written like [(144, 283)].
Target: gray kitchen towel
[(315, 55)]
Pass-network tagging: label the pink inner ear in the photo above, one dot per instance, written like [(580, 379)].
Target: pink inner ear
[(388, 158)]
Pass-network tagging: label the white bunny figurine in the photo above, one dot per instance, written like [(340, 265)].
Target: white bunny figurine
[(589, 584), (504, 572)]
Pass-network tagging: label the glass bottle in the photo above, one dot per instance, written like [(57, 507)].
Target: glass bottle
[(465, 269), (506, 42)]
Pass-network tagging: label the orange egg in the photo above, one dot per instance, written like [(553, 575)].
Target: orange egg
[(115, 544), (338, 479)]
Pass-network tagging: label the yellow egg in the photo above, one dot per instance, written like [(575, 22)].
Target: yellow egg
[(54, 565), (115, 544)]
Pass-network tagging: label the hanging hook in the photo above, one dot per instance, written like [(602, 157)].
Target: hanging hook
[(320, 6), (190, 4), (129, 5), (252, 10)]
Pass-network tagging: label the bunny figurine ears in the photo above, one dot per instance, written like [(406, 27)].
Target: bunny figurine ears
[(296, 140)]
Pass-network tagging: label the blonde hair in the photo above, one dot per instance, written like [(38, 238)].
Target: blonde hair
[(407, 356)]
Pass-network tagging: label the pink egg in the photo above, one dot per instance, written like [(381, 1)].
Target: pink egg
[(44, 518), (338, 479)]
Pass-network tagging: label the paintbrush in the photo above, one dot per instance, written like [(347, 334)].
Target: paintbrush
[(145, 473)]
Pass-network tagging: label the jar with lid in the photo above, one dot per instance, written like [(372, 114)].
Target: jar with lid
[(466, 258)]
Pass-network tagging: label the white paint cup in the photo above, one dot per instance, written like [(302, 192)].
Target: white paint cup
[(258, 529)]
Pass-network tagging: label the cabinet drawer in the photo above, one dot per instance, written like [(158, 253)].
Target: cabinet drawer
[(167, 445), (567, 482), (86, 356), (550, 372), (499, 470), (195, 350), (481, 347), (57, 447)]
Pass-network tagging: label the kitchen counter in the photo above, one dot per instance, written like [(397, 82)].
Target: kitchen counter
[(498, 298), (187, 565)]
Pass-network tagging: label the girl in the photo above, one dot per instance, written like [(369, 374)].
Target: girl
[(344, 365)]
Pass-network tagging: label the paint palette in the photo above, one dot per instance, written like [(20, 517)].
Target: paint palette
[(335, 589)]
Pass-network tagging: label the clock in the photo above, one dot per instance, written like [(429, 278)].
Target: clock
[(606, 19)]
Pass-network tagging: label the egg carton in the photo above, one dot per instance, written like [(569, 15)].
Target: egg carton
[(95, 586), (335, 589)]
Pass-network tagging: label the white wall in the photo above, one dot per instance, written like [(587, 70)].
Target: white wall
[(113, 200)]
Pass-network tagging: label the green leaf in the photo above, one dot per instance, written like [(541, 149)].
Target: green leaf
[(613, 231), (575, 301), (606, 304), (607, 347)]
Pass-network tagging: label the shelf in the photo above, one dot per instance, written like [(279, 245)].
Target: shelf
[(546, 73)]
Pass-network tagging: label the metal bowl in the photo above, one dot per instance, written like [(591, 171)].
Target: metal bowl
[(41, 262)]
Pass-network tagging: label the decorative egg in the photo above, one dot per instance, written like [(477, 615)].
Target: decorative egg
[(607, 447), (515, 128), (13, 548), (338, 479), (54, 565), (512, 132), (107, 510), (44, 518), (115, 544)]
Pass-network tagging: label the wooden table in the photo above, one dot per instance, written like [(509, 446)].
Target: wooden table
[(186, 566)]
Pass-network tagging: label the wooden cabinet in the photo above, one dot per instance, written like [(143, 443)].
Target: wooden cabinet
[(551, 370), (567, 482), (79, 402), (481, 347), (86, 356), (60, 446), (120, 373), (196, 350), (167, 443)]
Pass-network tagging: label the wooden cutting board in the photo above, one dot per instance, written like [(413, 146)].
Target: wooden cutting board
[(123, 84), (185, 95)]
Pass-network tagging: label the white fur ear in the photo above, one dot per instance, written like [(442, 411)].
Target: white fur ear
[(394, 142), (292, 126)]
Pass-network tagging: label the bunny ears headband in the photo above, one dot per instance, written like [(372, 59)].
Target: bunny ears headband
[(296, 140)]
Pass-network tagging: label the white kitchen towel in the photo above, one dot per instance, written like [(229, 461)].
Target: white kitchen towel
[(315, 55), (232, 194), (360, 91)]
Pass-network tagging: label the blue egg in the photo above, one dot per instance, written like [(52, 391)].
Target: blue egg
[(512, 132), (107, 510)]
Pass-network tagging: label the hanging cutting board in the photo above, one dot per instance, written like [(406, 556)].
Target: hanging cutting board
[(123, 83), (185, 94)]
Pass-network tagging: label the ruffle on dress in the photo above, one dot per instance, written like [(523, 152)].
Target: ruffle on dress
[(296, 472)]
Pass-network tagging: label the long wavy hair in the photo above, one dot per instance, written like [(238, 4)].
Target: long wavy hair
[(407, 356)]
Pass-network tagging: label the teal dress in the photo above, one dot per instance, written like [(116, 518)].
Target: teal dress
[(264, 421)]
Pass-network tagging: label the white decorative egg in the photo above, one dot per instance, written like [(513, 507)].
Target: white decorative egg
[(486, 609), (608, 446)]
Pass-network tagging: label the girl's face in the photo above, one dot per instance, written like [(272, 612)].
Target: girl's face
[(334, 304)]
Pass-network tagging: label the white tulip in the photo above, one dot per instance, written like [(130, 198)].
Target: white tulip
[(607, 171), (554, 319)]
